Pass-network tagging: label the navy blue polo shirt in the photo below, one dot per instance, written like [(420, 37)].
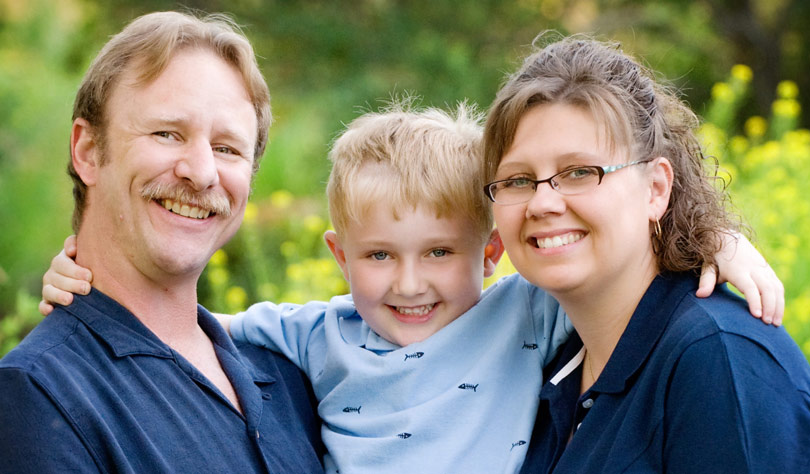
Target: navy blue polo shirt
[(694, 385), (91, 389)]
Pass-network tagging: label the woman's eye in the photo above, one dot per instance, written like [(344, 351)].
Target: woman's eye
[(518, 183), (438, 252), (579, 173), (379, 255)]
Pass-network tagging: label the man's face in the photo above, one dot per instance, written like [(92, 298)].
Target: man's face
[(179, 156)]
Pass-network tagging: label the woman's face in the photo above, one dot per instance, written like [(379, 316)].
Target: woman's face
[(577, 244)]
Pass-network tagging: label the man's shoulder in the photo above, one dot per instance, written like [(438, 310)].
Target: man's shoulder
[(43, 345)]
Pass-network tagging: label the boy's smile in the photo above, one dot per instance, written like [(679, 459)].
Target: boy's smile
[(410, 276)]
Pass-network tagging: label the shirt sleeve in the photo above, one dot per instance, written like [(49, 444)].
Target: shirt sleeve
[(732, 408), (35, 436), (289, 329)]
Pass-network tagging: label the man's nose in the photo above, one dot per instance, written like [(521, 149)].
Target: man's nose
[(197, 165)]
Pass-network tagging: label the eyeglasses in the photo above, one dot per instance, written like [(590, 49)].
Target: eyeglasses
[(568, 182)]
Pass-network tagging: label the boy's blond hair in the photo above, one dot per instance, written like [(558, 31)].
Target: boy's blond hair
[(408, 158)]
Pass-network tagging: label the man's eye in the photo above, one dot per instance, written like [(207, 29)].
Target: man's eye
[(225, 149), (163, 134), (379, 255), (439, 252)]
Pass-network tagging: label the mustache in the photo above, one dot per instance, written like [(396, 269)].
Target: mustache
[(179, 192)]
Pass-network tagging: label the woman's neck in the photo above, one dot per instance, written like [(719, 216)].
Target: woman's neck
[(601, 314)]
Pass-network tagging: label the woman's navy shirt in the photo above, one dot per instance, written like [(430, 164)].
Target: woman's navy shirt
[(694, 385), (91, 389)]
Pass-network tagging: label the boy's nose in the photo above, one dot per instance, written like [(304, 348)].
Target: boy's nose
[(409, 280)]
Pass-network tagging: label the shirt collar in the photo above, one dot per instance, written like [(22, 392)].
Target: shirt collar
[(126, 335), (644, 330), (355, 331)]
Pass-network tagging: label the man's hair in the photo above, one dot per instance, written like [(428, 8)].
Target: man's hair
[(638, 114), (409, 157), (147, 45)]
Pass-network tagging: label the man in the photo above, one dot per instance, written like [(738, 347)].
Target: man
[(169, 124)]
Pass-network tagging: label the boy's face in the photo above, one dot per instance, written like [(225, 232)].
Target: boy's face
[(411, 277)]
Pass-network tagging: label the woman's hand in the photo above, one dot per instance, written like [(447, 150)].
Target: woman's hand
[(63, 278), (743, 266)]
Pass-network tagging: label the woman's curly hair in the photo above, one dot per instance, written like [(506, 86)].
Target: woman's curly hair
[(637, 112)]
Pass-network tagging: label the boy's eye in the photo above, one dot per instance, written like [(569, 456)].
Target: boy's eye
[(438, 252), (379, 255)]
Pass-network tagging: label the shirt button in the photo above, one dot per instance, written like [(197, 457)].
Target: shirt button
[(578, 425), (587, 403), (257, 434)]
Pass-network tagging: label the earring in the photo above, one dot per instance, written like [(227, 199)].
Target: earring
[(657, 229)]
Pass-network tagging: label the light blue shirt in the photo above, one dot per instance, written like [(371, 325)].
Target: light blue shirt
[(464, 400)]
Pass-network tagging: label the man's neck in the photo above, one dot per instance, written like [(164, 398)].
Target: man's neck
[(167, 306)]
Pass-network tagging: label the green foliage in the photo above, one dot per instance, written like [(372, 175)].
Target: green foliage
[(768, 165), (327, 61)]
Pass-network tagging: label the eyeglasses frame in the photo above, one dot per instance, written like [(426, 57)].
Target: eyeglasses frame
[(600, 170)]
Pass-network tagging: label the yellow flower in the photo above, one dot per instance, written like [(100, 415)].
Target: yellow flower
[(786, 108), (281, 199), (722, 92), (741, 72), (787, 90), (219, 258), (289, 249), (756, 126), (313, 223), (218, 276), (251, 210), (235, 298), (738, 145), (296, 272)]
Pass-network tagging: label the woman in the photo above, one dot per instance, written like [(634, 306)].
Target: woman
[(600, 196)]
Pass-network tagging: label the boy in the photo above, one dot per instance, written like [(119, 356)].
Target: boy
[(417, 370)]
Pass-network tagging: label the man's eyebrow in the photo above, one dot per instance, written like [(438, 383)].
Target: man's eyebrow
[(222, 131)]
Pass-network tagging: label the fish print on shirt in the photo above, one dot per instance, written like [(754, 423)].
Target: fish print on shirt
[(528, 346), (404, 435), (519, 443), (415, 355), (469, 386), (352, 409)]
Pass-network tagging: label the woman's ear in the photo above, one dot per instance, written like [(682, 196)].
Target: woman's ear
[(331, 239), (661, 178), (492, 253), (84, 151)]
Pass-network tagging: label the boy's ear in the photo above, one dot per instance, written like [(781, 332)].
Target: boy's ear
[(661, 178), (331, 239), (84, 151), (492, 253)]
